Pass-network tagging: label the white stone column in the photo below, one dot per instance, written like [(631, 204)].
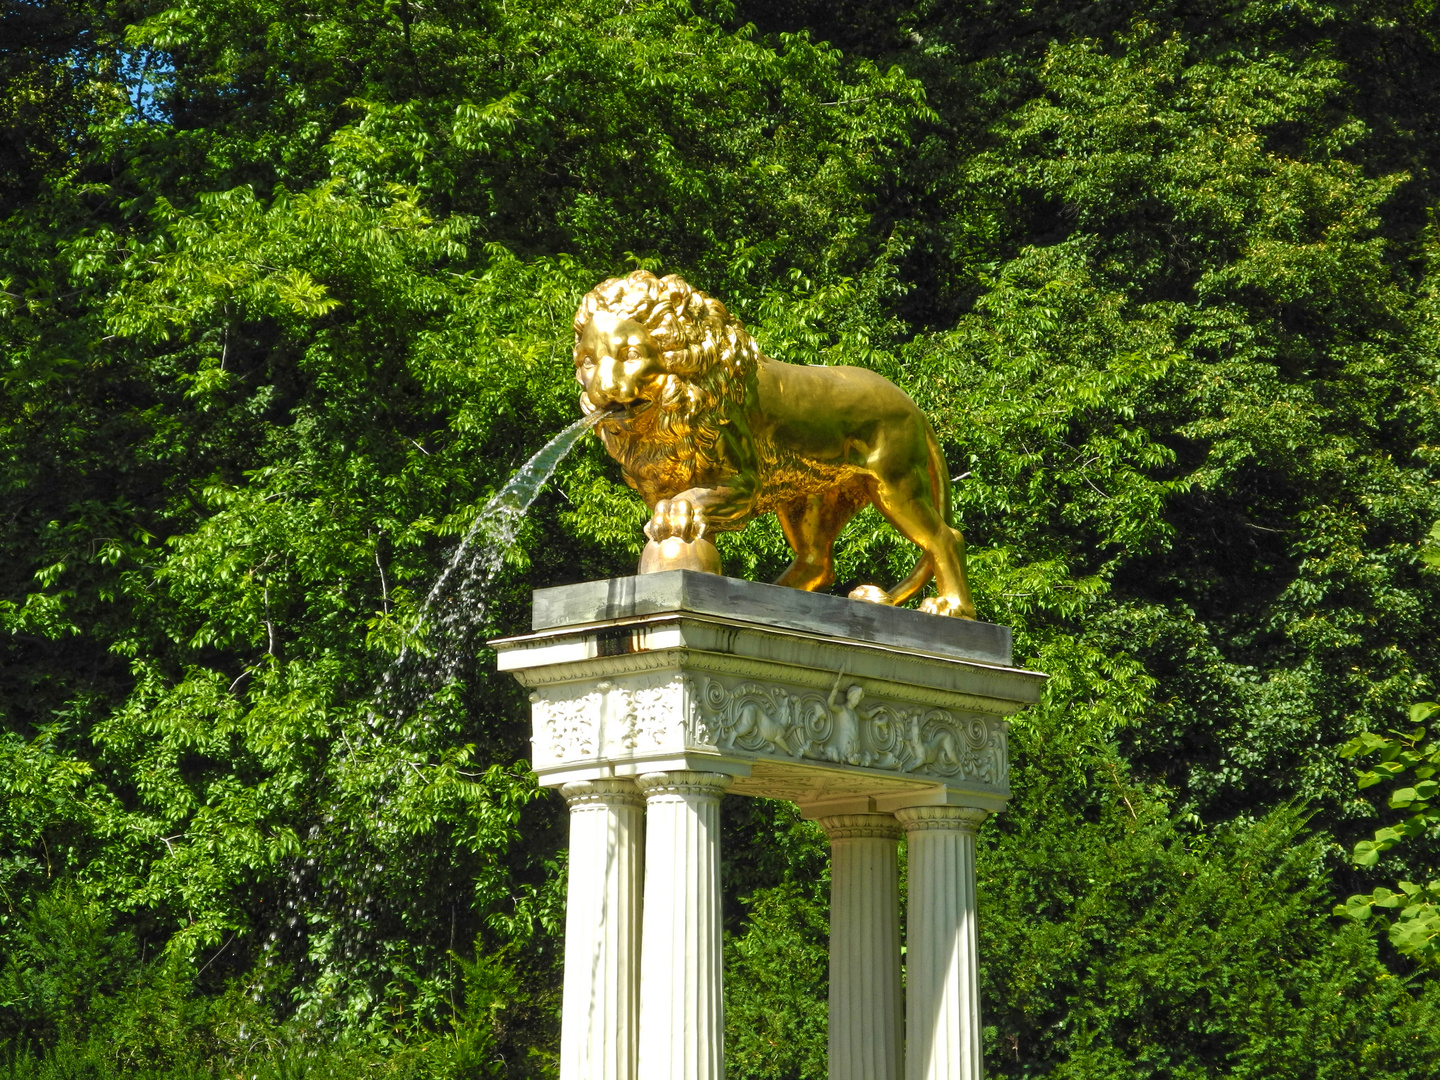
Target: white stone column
[(865, 1005), (942, 986), (682, 1028), (598, 1020)]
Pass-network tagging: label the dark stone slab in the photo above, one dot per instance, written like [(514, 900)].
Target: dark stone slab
[(769, 605)]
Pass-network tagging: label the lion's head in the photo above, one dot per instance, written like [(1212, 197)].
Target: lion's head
[(669, 356)]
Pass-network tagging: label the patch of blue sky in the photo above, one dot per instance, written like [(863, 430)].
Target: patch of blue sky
[(145, 75)]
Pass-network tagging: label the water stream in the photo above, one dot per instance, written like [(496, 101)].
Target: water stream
[(341, 915), (458, 602)]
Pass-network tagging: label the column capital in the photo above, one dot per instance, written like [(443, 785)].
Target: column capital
[(861, 826), (617, 792), (683, 782), (964, 819)]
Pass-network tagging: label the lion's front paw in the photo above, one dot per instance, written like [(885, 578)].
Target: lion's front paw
[(679, 518), (947, 605), (871, 594)]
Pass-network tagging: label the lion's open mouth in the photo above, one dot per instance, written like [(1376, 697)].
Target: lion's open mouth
[(629, 410), (617, 414)]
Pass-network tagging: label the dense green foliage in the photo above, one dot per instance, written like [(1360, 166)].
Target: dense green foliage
[(285, 294), (1416, 932)]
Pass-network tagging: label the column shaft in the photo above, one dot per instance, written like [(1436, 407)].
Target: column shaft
[(600, 1007), (865, 1004), (942, 991), (682, 1029)]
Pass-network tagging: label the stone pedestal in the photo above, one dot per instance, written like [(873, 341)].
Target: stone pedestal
[(602, 931), (686, 685)]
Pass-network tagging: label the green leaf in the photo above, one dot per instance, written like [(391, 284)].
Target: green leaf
[(1356, 907), (1366, 853), (1422, 711), (1417, 936), (1365, 743)]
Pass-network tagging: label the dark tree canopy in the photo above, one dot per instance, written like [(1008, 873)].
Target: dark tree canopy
[(285, 296)]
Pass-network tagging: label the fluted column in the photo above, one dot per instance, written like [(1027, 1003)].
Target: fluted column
[(598, 1021), (942, 986), (865, 1012), (682, 1028)]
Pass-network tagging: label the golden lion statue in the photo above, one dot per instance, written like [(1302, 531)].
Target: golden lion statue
[(712, 433)]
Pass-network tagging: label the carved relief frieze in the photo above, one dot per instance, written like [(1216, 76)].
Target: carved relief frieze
[(664, 718), (656, 712), (842, 728), (624, 716), (565, 726)]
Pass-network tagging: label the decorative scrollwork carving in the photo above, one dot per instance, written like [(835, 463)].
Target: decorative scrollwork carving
[(569, 725), (651, 709), (755, 718), (758, 717)]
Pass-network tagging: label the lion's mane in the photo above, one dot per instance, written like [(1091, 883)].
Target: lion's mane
[(708, 358)]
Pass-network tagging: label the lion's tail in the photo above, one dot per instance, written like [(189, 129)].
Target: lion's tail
[(918, 579), (924, 570)]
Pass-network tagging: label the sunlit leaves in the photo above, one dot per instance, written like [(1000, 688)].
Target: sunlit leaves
[(267, 353), (1416, 930)]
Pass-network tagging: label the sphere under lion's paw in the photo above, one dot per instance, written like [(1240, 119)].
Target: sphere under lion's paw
[(871, 594), (672, 553), (945, 605)]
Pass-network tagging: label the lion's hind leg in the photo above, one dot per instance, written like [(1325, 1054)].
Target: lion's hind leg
[(811, 523), (908, 500)]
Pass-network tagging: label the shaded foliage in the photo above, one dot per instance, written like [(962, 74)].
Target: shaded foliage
[(285, 296)]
